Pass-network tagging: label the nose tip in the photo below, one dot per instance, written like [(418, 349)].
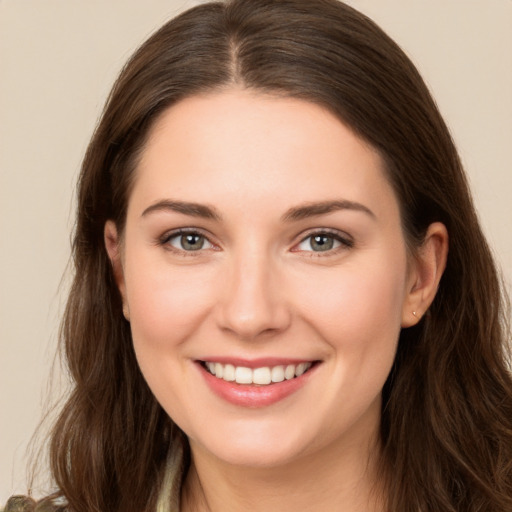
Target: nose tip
[(253, 304), (250, 326)]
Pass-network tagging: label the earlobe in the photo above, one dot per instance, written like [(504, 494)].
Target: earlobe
[(425, 274), (113, 247)]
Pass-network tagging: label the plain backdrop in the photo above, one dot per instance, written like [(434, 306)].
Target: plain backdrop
[(58, 59)]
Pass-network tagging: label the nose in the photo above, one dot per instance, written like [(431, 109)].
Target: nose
[(253, 303)]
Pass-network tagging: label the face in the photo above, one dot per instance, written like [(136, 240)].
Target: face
[(263, 244)]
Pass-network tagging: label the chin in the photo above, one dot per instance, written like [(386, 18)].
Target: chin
[(245, 456), (260, 446)]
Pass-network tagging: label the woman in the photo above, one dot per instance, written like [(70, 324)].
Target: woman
[(282, 298)]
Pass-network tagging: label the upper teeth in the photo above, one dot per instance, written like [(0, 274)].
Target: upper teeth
[(262, 376)]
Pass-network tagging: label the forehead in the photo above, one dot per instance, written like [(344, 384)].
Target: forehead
[(243, 146)]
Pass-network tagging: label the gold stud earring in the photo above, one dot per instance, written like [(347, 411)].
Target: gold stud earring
[(414, 313)]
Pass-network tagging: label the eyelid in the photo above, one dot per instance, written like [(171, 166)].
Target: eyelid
[(164, 239), (346, 241), (344, 238)]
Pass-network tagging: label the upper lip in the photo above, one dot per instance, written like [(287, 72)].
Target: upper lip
[(258, 362)]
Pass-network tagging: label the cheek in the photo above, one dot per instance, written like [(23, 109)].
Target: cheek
[(361, 297), (357, 310), (166, 304), (166, 308)]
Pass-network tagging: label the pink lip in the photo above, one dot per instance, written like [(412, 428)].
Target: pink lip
[(256, 363), (251, 395)]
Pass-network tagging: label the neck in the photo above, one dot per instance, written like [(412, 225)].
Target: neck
[(342, 477)]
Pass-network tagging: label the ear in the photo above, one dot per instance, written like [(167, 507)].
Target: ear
[(113, 246), (426, 268)]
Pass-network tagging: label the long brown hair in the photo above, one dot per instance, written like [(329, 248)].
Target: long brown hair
[(446, 426)]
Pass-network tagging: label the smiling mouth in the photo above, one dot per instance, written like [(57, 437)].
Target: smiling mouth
[(262, 376)]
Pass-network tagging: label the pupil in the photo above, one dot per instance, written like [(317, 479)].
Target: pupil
[(192, 242), (322, 243)]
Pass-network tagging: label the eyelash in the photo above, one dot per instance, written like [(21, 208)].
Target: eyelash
[(344, 241), (167, 237)]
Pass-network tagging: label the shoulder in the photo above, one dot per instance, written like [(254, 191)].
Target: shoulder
[(27, 504), (19, 504)]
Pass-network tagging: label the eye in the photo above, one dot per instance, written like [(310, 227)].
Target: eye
[(188, 241), (323, 242)]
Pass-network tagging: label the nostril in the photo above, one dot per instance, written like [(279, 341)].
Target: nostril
[(251, 304)]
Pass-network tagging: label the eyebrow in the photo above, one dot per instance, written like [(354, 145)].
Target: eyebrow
[(312, 209), (192, 209), (293, 214)]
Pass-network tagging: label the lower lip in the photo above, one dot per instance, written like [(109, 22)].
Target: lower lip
[(251, 395)]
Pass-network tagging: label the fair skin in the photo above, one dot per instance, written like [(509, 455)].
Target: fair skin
[(291, 251)]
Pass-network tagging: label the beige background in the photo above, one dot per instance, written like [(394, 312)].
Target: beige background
[(58, 59)]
